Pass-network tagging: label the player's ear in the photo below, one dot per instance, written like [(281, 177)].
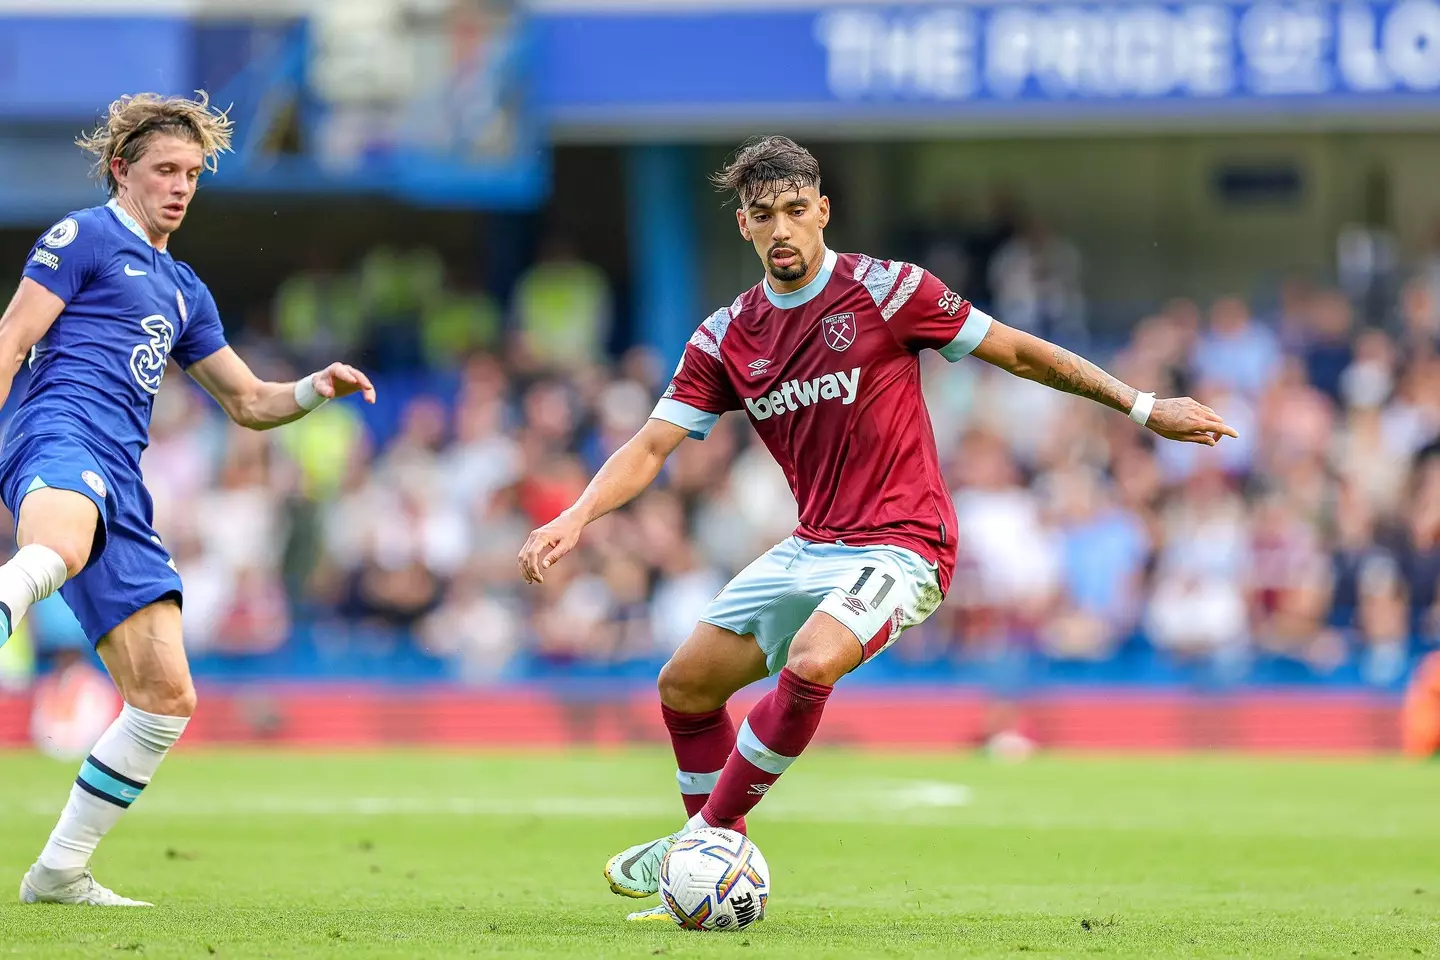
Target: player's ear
[(119, 169), (740, 220), (824, 212)]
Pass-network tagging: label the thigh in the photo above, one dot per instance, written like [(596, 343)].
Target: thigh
[(709, 667), (61, 497), (874, 592), (145, 655), (63, 520)]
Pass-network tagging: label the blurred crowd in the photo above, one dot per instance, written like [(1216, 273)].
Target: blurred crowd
[(1312, 542)]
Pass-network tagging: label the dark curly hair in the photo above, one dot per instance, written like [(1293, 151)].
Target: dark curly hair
[(765, 165)]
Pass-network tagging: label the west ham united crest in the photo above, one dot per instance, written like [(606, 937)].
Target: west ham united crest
[(839, 331)]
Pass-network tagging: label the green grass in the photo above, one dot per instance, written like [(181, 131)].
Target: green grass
[(425, 854)]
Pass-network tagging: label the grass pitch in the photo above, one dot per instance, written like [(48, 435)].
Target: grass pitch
[(427, 854)]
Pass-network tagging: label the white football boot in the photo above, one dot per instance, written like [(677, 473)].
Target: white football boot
[(42, 886)]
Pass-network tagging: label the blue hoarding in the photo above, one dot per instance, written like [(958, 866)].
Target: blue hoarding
[(464, 134), (937, 60), (73, 66)]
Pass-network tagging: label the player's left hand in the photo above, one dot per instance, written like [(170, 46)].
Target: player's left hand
[(1188, 421), (342, 380)]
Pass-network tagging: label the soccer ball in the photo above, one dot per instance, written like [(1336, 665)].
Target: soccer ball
[(714, 879)]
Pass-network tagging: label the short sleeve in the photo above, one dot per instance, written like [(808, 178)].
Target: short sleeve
[(203, 333), (922, 312), (700, 391), (64, 260)]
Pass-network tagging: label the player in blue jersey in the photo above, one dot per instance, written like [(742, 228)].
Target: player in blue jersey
[(101, 310)]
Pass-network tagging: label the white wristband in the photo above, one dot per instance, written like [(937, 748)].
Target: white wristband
[(1144, 403), (306, 395)]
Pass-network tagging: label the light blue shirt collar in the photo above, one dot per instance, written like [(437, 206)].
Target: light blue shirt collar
[(811, 290), (128, 222)]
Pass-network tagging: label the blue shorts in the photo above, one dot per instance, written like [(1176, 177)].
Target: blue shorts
[(129, 569)]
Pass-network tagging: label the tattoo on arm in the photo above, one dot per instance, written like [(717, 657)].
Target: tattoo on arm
[(1074, 374)]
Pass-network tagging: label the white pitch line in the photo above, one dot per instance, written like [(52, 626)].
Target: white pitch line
[(900, 798)]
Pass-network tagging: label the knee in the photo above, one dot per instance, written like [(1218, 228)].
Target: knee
[(687, 691), (75, 557), (166, 697), (823, 665)]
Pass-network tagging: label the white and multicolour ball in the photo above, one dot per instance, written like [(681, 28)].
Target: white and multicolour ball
[(714, 879)]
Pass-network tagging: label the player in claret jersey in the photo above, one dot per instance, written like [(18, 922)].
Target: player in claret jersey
[(822, 355)]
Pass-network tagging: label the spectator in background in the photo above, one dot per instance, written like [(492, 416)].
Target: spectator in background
[(396, 291), (412, 459), (685, 586), (1364, 454), (1367, 251), (1196, 610), (562, 308), (947, 248), (1420, 314), (1369, 378), (1328, 349), (478, 627), (1429, 265), (1422, 560), (1035, 278), (1236, 352), (1294, 420), (1011, 556), (1290, 587), (1292, 317), (455, 324), (318, 313), (998, 224), (1104, 548), (1383, 621), (184, 444), (752, 508), (483, 459), (241, 519)]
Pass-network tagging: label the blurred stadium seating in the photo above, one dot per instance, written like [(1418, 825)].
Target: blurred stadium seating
[(1291, 280)]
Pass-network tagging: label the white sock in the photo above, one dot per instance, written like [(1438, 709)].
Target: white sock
[(111, 778), (31, 575)]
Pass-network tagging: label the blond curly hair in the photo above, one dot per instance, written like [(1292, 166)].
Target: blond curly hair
[(134, 119)]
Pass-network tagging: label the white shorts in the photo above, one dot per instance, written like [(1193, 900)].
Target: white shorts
[(877, 591)]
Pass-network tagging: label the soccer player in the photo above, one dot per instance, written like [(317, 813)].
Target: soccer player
[(822, 357), (101, 310)]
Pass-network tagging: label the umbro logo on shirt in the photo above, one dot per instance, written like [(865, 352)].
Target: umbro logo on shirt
[(794, 394), (756, 366)]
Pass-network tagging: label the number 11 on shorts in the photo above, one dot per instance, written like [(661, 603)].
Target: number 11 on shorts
[(886, 582)]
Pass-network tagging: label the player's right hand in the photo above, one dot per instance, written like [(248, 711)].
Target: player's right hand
[(546, 545)]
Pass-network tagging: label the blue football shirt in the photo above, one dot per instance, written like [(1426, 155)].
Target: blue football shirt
[(129, 308)]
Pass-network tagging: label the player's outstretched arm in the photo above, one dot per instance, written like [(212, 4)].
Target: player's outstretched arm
[(1028, 356), (262, 404), (29, 316), (629, 470)]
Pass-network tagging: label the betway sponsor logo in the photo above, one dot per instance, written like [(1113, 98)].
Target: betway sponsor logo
[(794, 394)]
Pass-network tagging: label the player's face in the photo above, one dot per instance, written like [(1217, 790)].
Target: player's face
[(160, 184), (787, 230)]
